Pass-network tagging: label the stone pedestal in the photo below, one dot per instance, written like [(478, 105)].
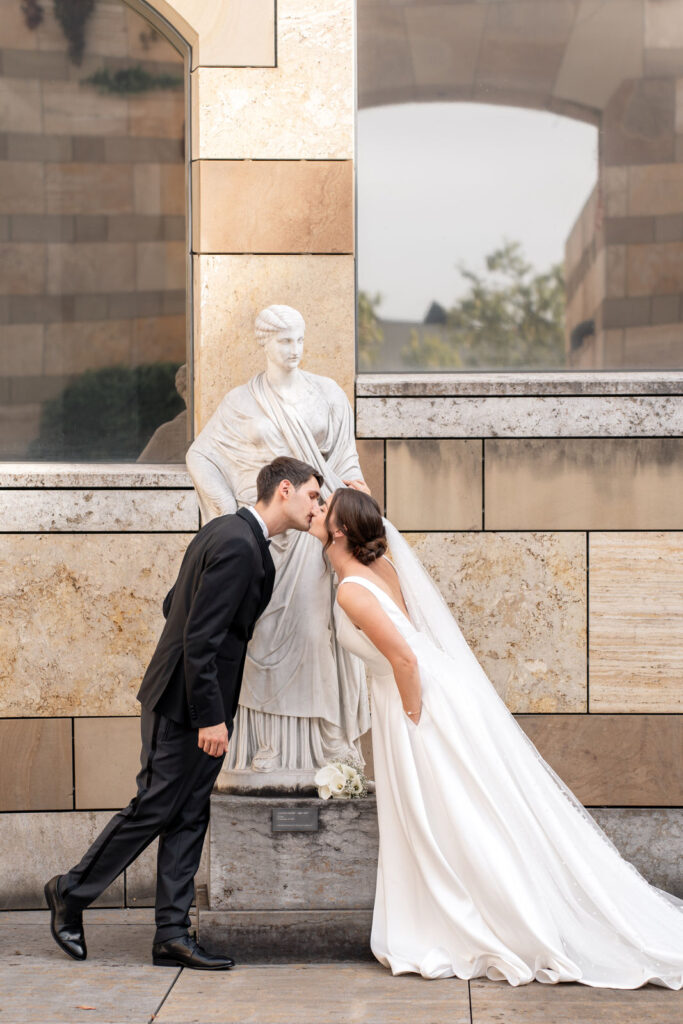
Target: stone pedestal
[(290, 895)]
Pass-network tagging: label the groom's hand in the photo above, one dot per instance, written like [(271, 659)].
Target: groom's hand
[(213, 739)]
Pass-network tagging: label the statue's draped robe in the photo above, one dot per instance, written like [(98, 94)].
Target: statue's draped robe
[(303, 698)]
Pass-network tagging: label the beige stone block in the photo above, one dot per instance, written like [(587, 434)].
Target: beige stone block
[(434, 484), (663, 24), (34, 847), (229, 293), (90, 267), (371, 457), (614, 188), (278, 206), (107, 31), (88, 345), (385, 61), (90, 188), (613, 760), (303, 109), (35, 764), (613, 262), (636, 622), (21, 187), (22, 268), (19, 425), (159, 339), (16, 34), (655, 269), (236, 34), (173, 197), (520, 600), (103, 510), (654, 189), (159, 115), (160, 266), (147, 188), (658, 346), (444, 42), (21, 349), (21, 108), (607, 38), (106, 761), (71, 108), (584, 483), (80, 616)]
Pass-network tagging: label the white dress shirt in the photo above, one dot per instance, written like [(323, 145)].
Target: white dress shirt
[(259, 520)]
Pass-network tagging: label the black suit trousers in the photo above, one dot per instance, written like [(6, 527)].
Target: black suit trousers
[(172, 802)]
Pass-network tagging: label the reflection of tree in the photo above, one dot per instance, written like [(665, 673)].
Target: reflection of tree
[(108, 414), (510, 317), (370, 334)]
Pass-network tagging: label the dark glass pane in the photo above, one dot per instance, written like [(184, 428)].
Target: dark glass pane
[(92, 243), (520, 185)]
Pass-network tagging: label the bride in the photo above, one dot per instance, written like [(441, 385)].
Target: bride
[(488, 864)]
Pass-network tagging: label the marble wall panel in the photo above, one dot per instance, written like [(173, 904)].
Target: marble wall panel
[(230, 291), (100, 511), (434, 485), (602, 382), (303, 109), (651, 839), (371, 455), (636, 622), (34, 847), (77, 474), (520, 600), (527, 417), (273, 206), (80, 616), (613, 760), (584, 483), (35, 764), (106, 761)]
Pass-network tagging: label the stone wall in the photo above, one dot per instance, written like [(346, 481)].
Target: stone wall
[(548, 510)]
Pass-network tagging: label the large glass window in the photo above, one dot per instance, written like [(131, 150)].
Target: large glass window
[(520, 185), (92, 235)]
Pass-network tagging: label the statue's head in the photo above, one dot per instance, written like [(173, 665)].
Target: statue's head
[(280, 331)]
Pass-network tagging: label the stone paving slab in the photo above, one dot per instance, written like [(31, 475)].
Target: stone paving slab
[(314, 994), (496, 1002), (55, 991)]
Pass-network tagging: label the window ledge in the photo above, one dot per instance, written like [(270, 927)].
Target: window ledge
[(668, 382), (93, 475)]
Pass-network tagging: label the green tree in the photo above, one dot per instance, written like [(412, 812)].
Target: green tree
[(370, 335), (109, 414), (510, 317)]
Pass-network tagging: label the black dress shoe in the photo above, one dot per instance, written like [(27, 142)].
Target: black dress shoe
[(66, 924), (185, 951)]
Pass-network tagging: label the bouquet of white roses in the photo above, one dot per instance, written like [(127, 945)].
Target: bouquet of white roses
[(343, 780)]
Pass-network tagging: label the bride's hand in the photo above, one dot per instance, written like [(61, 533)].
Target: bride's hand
[(358, 485)]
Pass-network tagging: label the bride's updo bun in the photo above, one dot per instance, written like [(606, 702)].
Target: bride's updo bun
[(359, 517)]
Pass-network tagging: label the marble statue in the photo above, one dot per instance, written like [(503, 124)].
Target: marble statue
[(169, 441), (303, 699)]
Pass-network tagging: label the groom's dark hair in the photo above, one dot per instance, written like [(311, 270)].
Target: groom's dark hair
[(283, 468)]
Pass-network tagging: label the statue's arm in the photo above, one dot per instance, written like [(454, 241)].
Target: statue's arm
[(216, 496)]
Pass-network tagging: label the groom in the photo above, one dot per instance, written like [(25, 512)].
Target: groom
[(189, 697)]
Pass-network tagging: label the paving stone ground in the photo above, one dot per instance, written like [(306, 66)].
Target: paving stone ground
[(118, 985)]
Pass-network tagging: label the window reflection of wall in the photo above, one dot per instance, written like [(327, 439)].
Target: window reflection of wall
[(616, 64), (92, 250)]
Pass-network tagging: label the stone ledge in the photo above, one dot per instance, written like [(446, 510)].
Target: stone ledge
[(98, 510), (521, 383), (90, 474)]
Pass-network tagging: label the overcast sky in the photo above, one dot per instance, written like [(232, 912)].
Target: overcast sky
[(443, 182)]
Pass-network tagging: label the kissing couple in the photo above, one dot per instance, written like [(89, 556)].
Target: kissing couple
[(488, 867)]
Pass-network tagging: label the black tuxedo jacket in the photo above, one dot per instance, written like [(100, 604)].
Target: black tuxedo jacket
[(225, 582)]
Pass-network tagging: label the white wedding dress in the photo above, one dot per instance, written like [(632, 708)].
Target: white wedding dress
[(488, 864)]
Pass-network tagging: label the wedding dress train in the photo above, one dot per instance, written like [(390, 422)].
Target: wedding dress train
[(489, 865)]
